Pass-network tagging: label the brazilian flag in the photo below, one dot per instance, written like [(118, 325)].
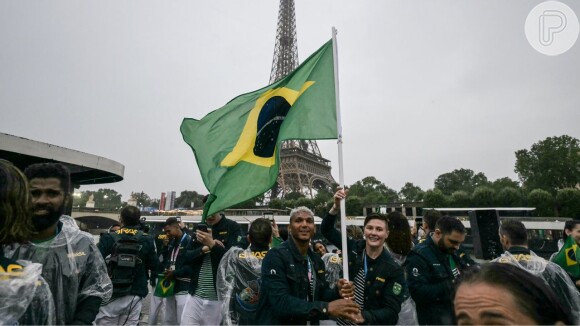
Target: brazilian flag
[(164, 287), (567, 258), (236, 146)]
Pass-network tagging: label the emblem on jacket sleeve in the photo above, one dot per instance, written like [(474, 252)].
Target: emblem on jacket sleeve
[(397, 288)]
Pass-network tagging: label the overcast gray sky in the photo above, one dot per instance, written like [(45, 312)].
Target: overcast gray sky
[(426, 87)]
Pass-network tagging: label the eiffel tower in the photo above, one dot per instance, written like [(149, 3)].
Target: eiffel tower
[(302, 167)]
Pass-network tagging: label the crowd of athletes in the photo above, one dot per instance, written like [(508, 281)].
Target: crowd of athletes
[(51, 272)]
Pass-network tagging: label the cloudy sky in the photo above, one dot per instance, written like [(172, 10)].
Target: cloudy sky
[(426, 87)]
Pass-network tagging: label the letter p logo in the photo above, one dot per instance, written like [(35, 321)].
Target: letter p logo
[(552, 28), (551, 22)]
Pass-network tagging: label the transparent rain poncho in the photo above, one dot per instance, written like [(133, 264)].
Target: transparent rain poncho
[(333, 265), (72, 266), (238, 285), (25, 297), (553, 275)]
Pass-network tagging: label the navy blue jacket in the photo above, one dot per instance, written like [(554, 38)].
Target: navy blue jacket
[(147, 254), (226, 231), (284, 296), (385, 289), (431, 282)]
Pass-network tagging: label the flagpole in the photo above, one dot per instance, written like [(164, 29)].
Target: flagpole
[(340, 167)]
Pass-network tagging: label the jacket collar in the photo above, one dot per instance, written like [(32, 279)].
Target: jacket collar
[(518, 250), (295, 252), (441, 255)]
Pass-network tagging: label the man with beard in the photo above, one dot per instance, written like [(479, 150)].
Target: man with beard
[(432, 268), (294, 289), (72, 264)]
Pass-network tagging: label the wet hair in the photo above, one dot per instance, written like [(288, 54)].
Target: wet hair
[(430, 218), (377, 216), (532, 296), (354, 232), (50, 170), (283, 234), (300, 209), (130, 216), (569, 225), (447, 224), (260, 232), (171, 221), (515, 231), (399, 240), (15, 205)]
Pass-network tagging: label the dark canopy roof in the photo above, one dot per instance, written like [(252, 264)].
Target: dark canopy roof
[(85, 168)]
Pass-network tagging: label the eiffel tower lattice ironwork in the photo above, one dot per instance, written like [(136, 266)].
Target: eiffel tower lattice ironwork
[(302, 167)]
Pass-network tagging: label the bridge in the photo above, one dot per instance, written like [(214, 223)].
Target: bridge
[(94, 219)]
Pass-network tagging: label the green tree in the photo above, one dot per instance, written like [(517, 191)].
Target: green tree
[(568, 202), (105, 199), (483, 197), (354, 206), (460, 199), (294, 195), (461, 179), (366, 186), (543, 201), (187, 197), (509, 197), (143, 200), (276, 203), (80, 198), (550, 164), (502, 183), (410, 192), (435, 199), (305, 202)]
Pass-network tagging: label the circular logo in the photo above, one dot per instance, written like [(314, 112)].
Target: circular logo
[(552, 28)]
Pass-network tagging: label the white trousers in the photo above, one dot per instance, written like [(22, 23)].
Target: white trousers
[(122, 311), (198, 311), (155, 309), (174, 308)]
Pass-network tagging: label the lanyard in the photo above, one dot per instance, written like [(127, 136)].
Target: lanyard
[(365, 263), (176, 250)]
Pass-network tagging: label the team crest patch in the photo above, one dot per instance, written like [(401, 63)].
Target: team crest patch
[(415, 272), (397, 288)]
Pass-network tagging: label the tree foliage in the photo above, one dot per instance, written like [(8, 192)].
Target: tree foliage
[(568, 202), (509, 197), (410, 192), (104, 198), (505, 182), (143, 199), (483, 197), (460, 199), (435, 198), (550, 164), (187, 197), (543, 201), (372, 191), (460, 179)]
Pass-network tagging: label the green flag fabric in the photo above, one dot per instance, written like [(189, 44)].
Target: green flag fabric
[(236, 146), (567, 258), (164, 287)]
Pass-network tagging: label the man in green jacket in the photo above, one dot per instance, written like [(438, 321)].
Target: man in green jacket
[(129, 282), (432, 268)]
